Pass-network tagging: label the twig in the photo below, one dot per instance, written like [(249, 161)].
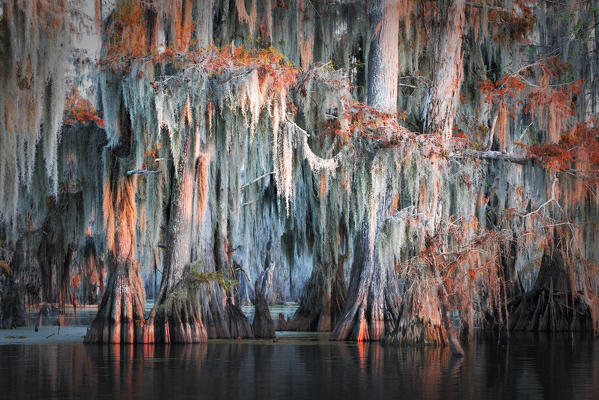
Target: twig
[(143, 171), (492, 132), (257, 179), (472, 4), (247, 203), (297, 127)]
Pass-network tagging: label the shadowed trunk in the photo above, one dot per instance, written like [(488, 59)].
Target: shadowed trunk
[(372, 304), (176, 316), (555, 304), (221, 313), (324, 294), (263, 325), (373, 299), (12, 303), (322, 301)]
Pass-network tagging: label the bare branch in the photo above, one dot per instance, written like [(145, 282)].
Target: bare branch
[(143, 172), (473, 4), (257, 179), (298, 128), (492, 132), (491, 155)]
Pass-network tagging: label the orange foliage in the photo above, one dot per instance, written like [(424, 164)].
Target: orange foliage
[(323, 187), (76, 281), (126, 34), (531, 87), (577, 151), (374, 125), (512, 25), (5, 267), (217, 60), (81, 111)]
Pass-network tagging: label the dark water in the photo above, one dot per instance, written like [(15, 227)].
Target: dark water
[(303, 367)]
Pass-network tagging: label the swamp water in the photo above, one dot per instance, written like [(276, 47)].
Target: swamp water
[(295, 366)]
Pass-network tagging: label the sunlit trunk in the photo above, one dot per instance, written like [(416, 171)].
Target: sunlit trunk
[(120, 317), (176, 316), (383, 57), (447, 69)]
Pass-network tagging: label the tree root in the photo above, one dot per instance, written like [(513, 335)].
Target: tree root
[(221, 317), (546, 310), (120, 317), (263, 325)]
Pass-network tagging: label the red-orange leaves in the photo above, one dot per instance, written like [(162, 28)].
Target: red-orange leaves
[(81, 111), (537, 88), (579, 146), (5, 267), (369, 123), (127, 34), (512, 25), (552, 106)]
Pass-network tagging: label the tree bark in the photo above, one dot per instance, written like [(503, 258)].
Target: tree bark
[(554, 305), (322, 301), (373, 299), (222, 316), (120, 317), (447, 69), (263, 325), (176, 316), (383, 57), (372, 304), (12, 302)]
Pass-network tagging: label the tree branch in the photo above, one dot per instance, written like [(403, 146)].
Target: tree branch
[(297, 127), (492, 155), (472, 4), (257, 179), (143, 172)]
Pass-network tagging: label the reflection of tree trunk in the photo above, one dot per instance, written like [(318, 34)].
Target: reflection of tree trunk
[(176, 316)]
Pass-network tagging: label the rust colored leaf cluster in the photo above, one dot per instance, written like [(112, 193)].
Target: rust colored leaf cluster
[(126, 37), (81, 111), (5, 267), (538, 89), (369, 123), (512, 26), (580, 145)]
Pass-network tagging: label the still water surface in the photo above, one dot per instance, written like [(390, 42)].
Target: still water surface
[(303, 366)]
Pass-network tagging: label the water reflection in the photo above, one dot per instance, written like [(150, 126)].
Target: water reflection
[(564, 367)]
